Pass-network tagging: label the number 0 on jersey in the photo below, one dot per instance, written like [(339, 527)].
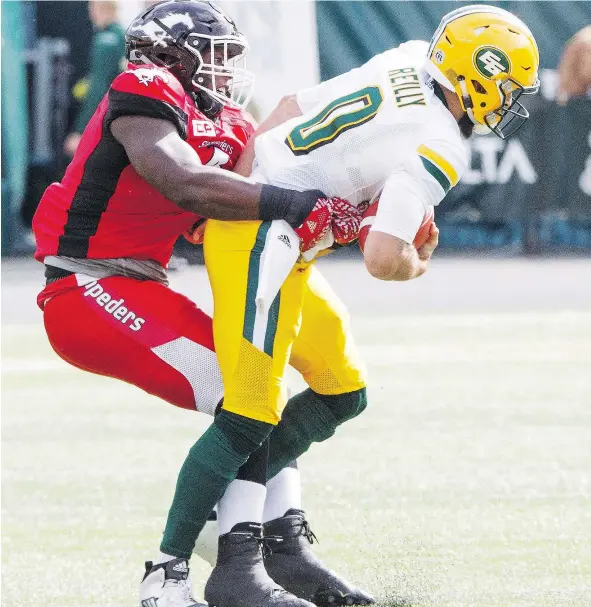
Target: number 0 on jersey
[(337, 117)]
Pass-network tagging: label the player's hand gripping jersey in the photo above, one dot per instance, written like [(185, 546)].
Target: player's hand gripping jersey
[(102, 209), (378, 126)]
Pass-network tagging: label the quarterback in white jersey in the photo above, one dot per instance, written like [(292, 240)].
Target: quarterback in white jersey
[(367, 126), (380, 126), (398, 125)]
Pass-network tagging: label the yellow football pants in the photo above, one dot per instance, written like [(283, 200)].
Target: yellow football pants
[(307, 326)]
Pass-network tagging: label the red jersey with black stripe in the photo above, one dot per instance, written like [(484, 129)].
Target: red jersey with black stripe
[(102, 208)]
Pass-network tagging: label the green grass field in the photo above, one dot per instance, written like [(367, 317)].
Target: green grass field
[(467, 482)]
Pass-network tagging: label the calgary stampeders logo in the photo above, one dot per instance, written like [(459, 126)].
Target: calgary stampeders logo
[(216, 153), (146, 75), (113, 306), (212, 156), (212, 151)]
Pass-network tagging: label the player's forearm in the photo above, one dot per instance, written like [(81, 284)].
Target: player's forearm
[(390, 258), (397, 269), (218, 194), (244, 165), (170, 165), (408, 268), (287, 109)]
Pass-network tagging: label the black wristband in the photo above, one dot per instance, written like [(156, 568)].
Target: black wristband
[(291, 205)]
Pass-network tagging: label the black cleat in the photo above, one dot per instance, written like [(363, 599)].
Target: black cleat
[(239, 578), (293, 565)]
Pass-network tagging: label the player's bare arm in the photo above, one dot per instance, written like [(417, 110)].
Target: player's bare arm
[(286, 109), (163, 159), (399, 235), (388, 257)]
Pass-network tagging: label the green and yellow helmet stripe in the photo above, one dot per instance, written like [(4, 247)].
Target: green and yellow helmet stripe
[(438, 167)]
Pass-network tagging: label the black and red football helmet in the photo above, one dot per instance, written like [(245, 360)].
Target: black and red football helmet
[(200, 45)]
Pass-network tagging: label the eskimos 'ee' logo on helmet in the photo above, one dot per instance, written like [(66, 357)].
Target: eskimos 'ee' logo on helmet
[(490, 61), (489, 58)]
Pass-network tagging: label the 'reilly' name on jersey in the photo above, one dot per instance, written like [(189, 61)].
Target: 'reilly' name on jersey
[(406, 87)]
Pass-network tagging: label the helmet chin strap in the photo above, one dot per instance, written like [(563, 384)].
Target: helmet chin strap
[(481, 129), (478, 129), (467, 100)]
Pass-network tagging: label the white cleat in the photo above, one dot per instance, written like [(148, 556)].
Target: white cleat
[(167, 585)]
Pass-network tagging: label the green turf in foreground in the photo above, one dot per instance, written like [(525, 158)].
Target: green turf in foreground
[(466, 483)]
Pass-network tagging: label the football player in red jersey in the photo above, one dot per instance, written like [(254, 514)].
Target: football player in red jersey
[(147, 170)]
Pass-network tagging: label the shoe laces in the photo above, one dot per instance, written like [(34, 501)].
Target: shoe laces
[(183, 587), (304, 529), (307, 532), (265, 544)]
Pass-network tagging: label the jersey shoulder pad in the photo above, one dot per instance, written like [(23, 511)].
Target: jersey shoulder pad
[(152, 82), (407, 55), (149, 91), (444, 160), (415, 48)]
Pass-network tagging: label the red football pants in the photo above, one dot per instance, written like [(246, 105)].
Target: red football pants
[(141, 332)]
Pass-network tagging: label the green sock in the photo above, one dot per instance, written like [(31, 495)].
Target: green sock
[(211, 465), (305, 420), (310, 418)]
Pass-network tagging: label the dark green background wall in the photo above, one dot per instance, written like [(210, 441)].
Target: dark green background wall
[(531, 192), (349, 33)]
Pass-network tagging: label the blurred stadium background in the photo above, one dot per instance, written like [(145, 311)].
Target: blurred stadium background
[(466, 483), (530, 194)]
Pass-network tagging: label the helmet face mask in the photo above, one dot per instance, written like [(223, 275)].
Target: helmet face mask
[(489, 58), (222, 69), (512, 115), (200, 46)]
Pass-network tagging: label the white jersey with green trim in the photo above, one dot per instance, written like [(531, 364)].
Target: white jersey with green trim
[(364, 127)]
